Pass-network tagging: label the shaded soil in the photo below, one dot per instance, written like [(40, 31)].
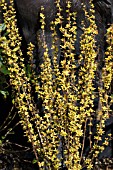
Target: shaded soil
[(17, 160)]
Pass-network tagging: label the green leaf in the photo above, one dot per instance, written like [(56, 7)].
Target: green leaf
[(112, 95), (0, 142), (34, 161), (0, 64), (3, 137), (2, 27), (4, 70), (4, 93), (13, 101)]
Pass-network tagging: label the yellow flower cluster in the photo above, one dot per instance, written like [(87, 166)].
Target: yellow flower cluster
[(67, 97), (108, 69), (18, 80)]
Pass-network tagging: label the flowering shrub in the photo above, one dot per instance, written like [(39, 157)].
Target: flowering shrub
[(59, 136)]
